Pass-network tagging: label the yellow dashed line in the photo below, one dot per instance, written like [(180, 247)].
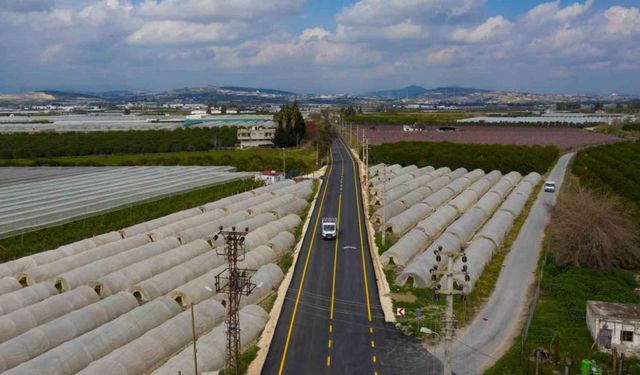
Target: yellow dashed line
[(373, 344), (328, 360), (374, 359), (330, 328), (370, 330), (329, 345)]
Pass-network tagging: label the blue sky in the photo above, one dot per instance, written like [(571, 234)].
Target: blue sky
[(582, 46)]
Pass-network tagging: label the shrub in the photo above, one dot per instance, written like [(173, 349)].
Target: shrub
[(593, 230)]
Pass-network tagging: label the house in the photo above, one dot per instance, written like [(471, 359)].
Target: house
[(270, 177), (615, 325), (256, 136)]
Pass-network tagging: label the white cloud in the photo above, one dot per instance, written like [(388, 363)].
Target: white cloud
[(495, 28), (552, 11), (445, 55), (182, 32), (217, 9), (618, 21)]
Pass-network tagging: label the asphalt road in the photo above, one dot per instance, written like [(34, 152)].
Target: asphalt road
[(499, 322), (331, 321)]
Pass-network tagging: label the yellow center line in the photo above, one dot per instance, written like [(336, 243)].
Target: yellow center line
[(328, 360), (373, 344), (330, 328), (335, 249), (374, 359), (306, 264), (358, 205), (370, 330), (329, 344)]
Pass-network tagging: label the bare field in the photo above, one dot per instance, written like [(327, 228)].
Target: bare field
[(563, 138)]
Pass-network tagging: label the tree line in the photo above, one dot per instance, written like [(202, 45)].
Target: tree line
[(42, 145), (505, 158)]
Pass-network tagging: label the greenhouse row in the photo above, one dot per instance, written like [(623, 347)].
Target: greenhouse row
[(33, 204), (426, 210), (118, 303)]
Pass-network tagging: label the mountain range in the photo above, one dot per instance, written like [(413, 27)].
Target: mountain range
[(247, 95)]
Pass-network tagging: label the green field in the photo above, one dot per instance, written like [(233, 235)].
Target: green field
[(560, 317), (560, 314), (298, 160), (399, 118), (505, 158), (53, 237)]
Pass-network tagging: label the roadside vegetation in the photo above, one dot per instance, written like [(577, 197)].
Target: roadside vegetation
[(51, 144), (601, 202), (505, 158), (301, 160), (53, 237)]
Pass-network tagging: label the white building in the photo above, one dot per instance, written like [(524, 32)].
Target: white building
[(256, 136), (270, 177), (615, 325)]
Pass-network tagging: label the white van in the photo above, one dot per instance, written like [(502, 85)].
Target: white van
[(329, 228), (549, 186)]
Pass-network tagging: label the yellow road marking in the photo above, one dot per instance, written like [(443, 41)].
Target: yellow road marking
[(335, 249), (330, 328), (370, 330), (306, 264), (373, 344), (329, 343), (375, 373), (328, 360), (374, 359), (364, 266)]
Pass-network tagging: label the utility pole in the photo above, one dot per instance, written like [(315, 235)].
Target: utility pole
[(195, 349), (284, 164), (235, 283), (449, 290), (366, 161)]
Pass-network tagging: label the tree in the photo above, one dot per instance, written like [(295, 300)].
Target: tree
[(223, 110), (593, 230), (291, 126)]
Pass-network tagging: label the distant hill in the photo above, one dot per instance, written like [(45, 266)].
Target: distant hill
[(405, 92), (456, 91), (263, 91), (415, 91)]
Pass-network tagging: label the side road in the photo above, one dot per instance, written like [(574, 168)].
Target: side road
[(495, 326)]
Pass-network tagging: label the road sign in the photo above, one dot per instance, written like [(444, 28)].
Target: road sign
[(400, 311)]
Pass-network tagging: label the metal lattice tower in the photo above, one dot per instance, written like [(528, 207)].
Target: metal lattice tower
[(236, 283)]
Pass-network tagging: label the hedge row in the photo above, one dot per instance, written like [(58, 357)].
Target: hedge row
[(505, 158), (39, 145)]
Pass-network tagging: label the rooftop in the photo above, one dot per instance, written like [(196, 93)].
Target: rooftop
[(622, 311)]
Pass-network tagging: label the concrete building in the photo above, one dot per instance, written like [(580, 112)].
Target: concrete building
[(615, 325), (256, 136), (270, 177)]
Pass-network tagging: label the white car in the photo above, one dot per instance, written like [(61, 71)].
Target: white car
[(549, 186)]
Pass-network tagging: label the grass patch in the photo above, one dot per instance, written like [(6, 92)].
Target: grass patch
[(268, 302), (53, 237), (246, 358), (399, 118), (299, 161), (560, 316)]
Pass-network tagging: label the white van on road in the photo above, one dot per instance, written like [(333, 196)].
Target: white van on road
[(329, 228), (549, 186)]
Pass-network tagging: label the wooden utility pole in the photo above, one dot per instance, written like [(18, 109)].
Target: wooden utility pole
[(235, 283), (448, 290)]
